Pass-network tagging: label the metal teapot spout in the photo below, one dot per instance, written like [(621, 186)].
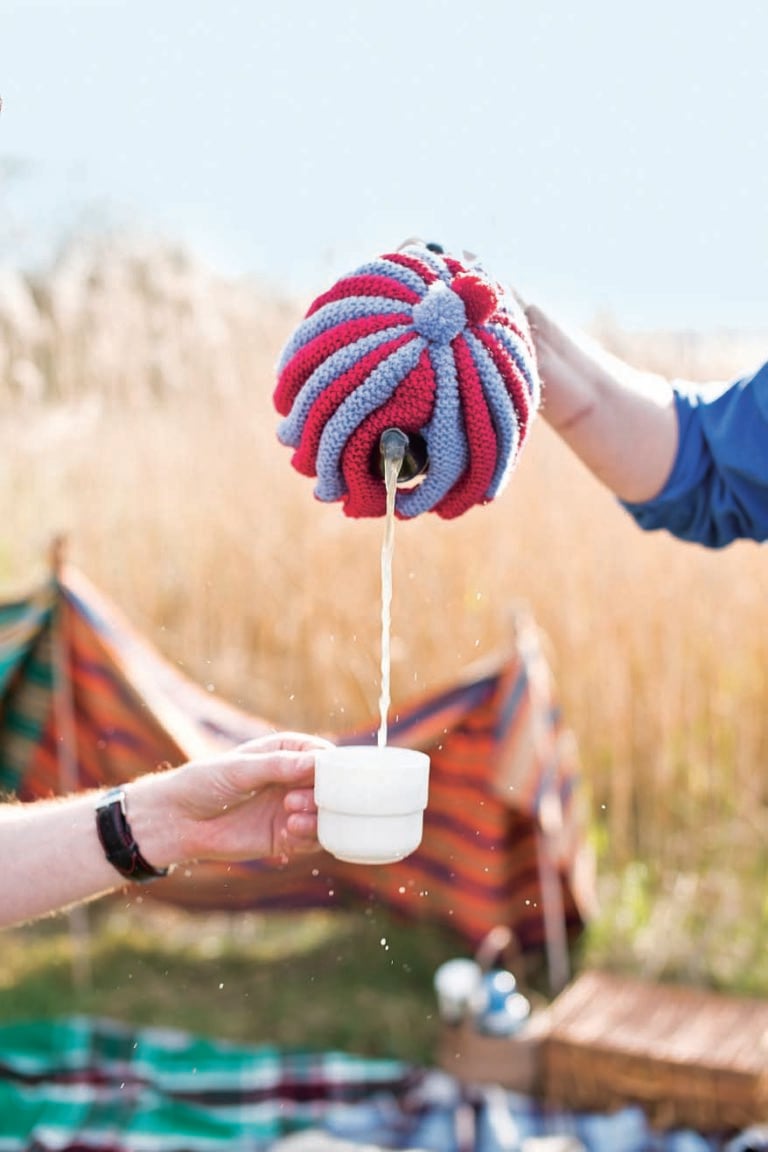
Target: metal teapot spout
[(409, 451)]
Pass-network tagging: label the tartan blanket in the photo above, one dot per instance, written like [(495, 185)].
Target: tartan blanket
[(82, 1083)]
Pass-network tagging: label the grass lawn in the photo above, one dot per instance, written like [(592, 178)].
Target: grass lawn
[(359, 981), (356, 981)]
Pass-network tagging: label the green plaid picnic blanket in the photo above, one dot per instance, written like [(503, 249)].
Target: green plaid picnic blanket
[(97, 1084), (85, 1084)]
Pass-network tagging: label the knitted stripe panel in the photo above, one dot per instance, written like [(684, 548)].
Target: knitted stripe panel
[(421, 341)]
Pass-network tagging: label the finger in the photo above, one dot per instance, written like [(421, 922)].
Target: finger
[(302, 824), (300, 800), (518, 297), (558, 353), (247, 772), (284, 741), (574, 349), (543, 325)]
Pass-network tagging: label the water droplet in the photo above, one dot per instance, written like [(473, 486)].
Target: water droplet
[(315, 871), (401, 889), (220, 987)]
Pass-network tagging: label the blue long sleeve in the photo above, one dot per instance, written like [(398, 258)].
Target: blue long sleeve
[(717, 491)]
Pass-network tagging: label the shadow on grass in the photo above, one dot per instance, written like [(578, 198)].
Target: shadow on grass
[(355, 981)]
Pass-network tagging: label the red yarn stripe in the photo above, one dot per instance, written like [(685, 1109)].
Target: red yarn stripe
[(301, 366), (408, 408), (368, 285), (421, 269), (304, 458), (481, 438), (514, 381)]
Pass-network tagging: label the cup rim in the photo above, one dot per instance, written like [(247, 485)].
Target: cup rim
[(360, 753)]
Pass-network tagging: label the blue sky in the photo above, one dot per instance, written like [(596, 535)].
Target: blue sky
[(600, 156)]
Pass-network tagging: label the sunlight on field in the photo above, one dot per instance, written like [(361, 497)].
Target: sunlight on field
[(138, 420)]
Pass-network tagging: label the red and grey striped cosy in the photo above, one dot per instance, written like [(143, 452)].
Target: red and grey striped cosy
[(419, 341)]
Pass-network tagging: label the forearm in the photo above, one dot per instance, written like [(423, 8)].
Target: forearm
[(620, 422), (249, 802), (51, 856)]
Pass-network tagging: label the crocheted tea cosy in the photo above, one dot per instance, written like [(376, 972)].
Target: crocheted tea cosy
[(423, 342)]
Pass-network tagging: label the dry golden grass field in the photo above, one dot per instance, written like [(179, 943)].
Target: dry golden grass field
[(136, 392)]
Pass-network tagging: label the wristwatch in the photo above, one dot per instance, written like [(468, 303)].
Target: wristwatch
[(117, 840)]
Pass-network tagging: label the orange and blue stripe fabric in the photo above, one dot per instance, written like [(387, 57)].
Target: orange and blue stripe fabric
[(500, 758)]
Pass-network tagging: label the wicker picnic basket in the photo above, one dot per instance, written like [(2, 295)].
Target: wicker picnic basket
[(689, 1057)]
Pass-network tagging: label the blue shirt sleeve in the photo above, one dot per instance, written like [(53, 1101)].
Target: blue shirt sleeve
[(717, 491)]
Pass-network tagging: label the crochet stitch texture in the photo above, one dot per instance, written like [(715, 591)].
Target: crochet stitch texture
[(421, 341)]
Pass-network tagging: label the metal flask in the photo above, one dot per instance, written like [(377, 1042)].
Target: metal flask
[(410, 450)]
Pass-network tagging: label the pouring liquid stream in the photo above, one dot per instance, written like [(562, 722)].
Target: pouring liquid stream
[(391, 472)]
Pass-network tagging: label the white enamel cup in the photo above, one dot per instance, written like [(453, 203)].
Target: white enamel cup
[(370, 801)]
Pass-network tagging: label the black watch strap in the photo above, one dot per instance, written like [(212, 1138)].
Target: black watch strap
[(117, 840)]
